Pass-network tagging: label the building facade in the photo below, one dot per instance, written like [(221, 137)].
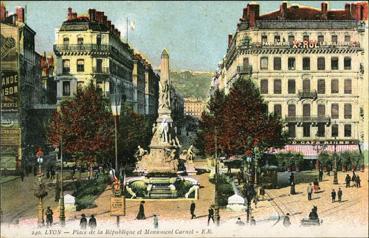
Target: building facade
[(311, 68), (89, 49), (194, 107)]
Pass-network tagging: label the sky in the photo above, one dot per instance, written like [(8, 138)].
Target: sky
[(194, 32)]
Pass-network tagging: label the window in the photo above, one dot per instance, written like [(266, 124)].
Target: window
[(334, 130), (306, 130), (277, 86), (66, 66), (264, 40), (306, 110), (347, 86), (321, 130), (264, 86), (291, 86), (278, 110), (277, 39), (80, 65), (321, 63), (291, 130), (66, 88), (334, 39), (347, 111), (264, 63), (245, 63), (320, 39), (80, 41), (291, 39), (66, 41), (321, 86), (291, 63), (98, 40), (306, 38), (98, 65), (347, 38), (277, 63), (347, 63), (306, 85), (321, 110), (291, 110), (306, 63), (334, 110), (334, 63), (347, 130), (334, 86)]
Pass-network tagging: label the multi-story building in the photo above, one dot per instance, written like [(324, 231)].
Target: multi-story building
[(194, 107), (20, 74), (311, 68), (89, 49), (47, 79)]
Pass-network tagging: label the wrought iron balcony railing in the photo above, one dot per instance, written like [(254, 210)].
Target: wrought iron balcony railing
[(81, 48), (302, 94), (307, 119), (100, 70), (244, 69)]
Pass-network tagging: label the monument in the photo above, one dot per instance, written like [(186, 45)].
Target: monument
[(160, 166)]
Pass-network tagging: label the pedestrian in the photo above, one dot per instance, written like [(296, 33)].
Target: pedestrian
[(316, 185), (358, 180), (210, 214), (192, 210), (333, 195), (141, 211), (49, 216), (286, 220), (239, 222), (292, 178), (339, 194), (156, 222), (48, 174), (347, 180), (83, 222), (353, 178), (320, 175), (52, 174), (309, 191), (22, 174), (292, 189), (92, 222), (262, 192), (253, 221), (256, 201)]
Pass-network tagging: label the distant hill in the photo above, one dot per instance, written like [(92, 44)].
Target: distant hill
[(192, 84)]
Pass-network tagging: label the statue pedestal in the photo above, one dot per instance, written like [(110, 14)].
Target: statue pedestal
[(190, 168)]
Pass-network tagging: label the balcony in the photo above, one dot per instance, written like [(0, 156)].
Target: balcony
[(88, 48), (308, 119), (305, 94), (244, 69), (100, 70)]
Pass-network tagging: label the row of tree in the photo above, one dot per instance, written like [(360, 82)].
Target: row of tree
[(239, 121), (85, 125)]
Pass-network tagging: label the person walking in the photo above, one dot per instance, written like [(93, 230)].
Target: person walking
[(333, 195), (22, 174), (92, 222), (262, 193), (309, 191), (292, 189), (49, 216), (253, 221), (239, 222), (316, 185), (156, 221), (320, 175), (83, 222), (286, 220), (347, 180), (141, 212), (339, 194), (210, 214), (358, 180), (192, 210)]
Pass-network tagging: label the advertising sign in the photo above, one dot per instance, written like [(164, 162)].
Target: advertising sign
[(117, 206), (9, 91)]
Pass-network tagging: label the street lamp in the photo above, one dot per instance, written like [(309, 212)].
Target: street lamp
[(335, 178), (216, 201), (61, 201), (249, 189)]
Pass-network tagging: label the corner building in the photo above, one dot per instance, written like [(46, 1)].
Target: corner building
[(311, 68)]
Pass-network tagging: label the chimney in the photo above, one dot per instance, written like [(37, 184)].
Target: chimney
[(3, 13), (324, 8), (245, 13), (74, 16), (69, 13), (283, 10), (230, 37), (92, 14), (112, 28), (347, 7), (253, 14), (108, 24), (98, 16), (20, 14), (104, 19), (354, 10)]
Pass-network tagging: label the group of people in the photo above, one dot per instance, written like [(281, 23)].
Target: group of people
[(91, 222), (355, 179)]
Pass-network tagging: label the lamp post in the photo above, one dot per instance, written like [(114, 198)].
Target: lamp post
[(116, 100), (216, 205), (249, 189), (61, 200), (335, 178)]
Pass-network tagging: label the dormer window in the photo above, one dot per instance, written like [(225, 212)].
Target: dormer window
[(80, 41), (264, 39), (65, 41), (277, 39)]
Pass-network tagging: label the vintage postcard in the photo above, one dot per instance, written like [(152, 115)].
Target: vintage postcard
[(184, 119)]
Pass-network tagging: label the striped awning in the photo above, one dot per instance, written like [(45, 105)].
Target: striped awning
[(312, 151)]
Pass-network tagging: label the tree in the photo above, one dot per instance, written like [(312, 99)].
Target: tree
[(242, 121), (85, 125)]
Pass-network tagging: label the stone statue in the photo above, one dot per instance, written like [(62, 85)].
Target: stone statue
[(164, 130), (164, 100), (140, 153), (190, 154), (172, 155), (154, 128)]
